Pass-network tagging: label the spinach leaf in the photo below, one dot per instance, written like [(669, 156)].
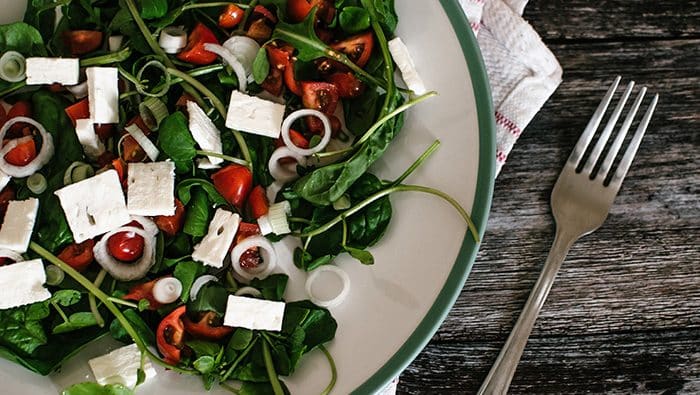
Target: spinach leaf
[(361, 112), (76, 321), (261, 66), (21, 330), (240, 339), (211, 297), (197, 214), (66, 297), (152, 9), (140, 326), (184, 191), (176, 141), (364, 256), (90, 388), (82, 14), (272, 287), (187, 272), (366, 227), (205, 364), (386, 14), (317, 322), (204, 348), (23, 38), (353, 19), (42, 15), (302, 36)]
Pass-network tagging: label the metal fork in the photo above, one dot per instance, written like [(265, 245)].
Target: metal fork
[(581, 201)]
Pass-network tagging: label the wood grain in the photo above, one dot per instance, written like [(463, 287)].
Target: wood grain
[(624, 313)]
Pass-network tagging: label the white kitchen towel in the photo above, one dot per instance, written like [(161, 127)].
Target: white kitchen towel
[(522, 71)]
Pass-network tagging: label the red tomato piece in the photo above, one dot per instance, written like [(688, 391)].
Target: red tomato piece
[(126, 246), (144, 291), (273, 82), (259, 31), (22, 154), (349, 86), (80, 42), (207, 327), (170, 336), (257, 202), (233, 182), (265, 13), (78, 256), (231, 16), (171, 224), (315, 126), (194, 52), (78, 110), (321, 96), (299, 9), (358, 48)]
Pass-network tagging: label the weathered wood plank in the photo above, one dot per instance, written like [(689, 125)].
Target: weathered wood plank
[(614, 19)]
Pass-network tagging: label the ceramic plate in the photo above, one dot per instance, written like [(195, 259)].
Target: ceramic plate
[(397, 304)]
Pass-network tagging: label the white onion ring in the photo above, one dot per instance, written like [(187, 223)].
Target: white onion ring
[(282, 172), (42, 157), (148, 147), (13, 56), (79, 91), (338, 299), (273, 189), (126, 271), (269, 261), (245, 49), (199, 283), (232, 61), (305, 113), (14, 255), (248, 291), (149, 226), (172, 39), (167, 290)]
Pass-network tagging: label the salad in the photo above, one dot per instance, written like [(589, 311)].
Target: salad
[(153, 154)]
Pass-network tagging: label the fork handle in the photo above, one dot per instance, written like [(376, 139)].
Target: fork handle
[(502, 371)]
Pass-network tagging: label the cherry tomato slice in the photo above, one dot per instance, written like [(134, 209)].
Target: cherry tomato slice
[(358, 48), (78, 110), (80, 42), (233, 182), (194, 52), (126, 246), (171, 224), (257, 202), (170, 336), (231, 16), (273, 82), (321, 96), (348, 85), (251, 258), (144, 291), (299, 9), (281, 59), (20, 109), (315, 126), (78, 256), (208, 326), (260, 10), (22, 154)]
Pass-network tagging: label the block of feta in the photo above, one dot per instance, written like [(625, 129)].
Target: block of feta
[(151, 189), (120, 367), (18, 224), (103, 94), (204, 132), (399, 52), (254, 115), (64, 71), (22, 283), (252, 313), (213, 248), (94, 206), (92, 146)]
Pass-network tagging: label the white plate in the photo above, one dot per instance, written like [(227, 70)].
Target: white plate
[(421, 264)]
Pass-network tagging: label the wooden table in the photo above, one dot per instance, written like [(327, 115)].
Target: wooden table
[(624, 313)]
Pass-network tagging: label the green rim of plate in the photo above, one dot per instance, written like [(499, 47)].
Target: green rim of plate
[(482, 203)]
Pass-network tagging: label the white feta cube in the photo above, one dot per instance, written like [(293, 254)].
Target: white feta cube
[(151, 189), (400, 54), (120, 367), (94, 206), (92, 146), (204, 132), (214, 247), (22, 283), (103, 94), (64, 71), (254, 115), (18, 224), (252, 313)]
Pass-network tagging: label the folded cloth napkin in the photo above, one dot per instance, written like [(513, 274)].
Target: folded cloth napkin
[(523, 73)]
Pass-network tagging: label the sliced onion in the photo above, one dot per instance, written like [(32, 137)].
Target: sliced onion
[(54, 275), (172, 39), (123, 271), (167, 290), (9, 254), (245, 49), (199, 283), (232, 61), (338, 299), (77, 171), (79, 91), (268, 254), (148, 147), (12, 66), (284, 173), (248, 291), (149, 226), (305, 113), (43, 156), (273, 189)]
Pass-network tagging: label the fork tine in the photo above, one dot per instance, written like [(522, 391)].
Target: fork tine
[(620, 138), (631, 151), (593, 124), (605, 135)]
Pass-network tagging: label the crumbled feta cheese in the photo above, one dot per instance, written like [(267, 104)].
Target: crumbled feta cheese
[(252, 313), (103, 94), (94, 206), (254, 115), (18, 224), (215, 245), (120, 367), (400, 54), (151, 189), (92, 146), (204, 132), (64, 71), (22, 283)]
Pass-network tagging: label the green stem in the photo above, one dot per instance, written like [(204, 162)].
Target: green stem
[(271, 374), (218, 105), (334, 371), (92, 301), (114, 57), (386, 54), (238, 360), (299, 220), (60, 311), (223, 156), (12, 88), (385, 192), (213, 4), (123, 302), (417, 162)]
